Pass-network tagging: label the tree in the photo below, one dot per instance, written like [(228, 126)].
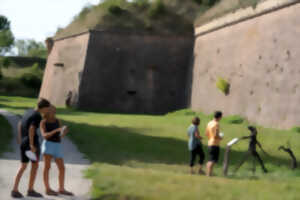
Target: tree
[(6, 36), (31, 48)]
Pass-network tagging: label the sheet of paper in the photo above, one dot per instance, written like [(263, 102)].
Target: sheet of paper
[(31, 155), (233, 141)]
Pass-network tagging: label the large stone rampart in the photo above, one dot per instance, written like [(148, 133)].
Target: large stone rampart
[(258, 53)]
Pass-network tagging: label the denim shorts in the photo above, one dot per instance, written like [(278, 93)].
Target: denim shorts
[(52, 148)]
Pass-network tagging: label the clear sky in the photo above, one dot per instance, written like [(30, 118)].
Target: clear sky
[(39, 19)]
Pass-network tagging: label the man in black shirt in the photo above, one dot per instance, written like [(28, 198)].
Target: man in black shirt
[(29, 140)]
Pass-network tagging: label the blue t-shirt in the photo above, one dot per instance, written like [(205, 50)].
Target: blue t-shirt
[(193, 141)]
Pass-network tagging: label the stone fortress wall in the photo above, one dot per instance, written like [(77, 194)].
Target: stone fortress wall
[(119, 72)]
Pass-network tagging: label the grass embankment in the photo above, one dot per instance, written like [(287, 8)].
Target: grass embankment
[(157, 16), (5, 135), (225, 7), (146, 157)]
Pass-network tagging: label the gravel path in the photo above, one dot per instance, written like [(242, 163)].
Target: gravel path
[(74, 163)]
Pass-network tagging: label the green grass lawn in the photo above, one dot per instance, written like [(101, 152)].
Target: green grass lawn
[(5, 135), (146, 157)]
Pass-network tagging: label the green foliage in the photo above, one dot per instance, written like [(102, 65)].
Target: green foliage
[(157, 9), (31, 48), (115, 10), (6, 36), (4, 23), (5, 62), (198, 1), (9, 84), (5, 135), (210, 2), (223, 86), (141, 4), (33, 78), (168, 17), (296, 129), (1, 74), (234, 119)]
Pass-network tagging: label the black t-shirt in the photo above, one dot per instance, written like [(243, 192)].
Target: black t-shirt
[(50, 127), (31, 117)]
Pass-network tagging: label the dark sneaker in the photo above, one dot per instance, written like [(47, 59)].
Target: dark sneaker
[(51, 193), (65, 192), (32, 193), (16, 194)]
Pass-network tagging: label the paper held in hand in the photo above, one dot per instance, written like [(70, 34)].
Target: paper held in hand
[(31, 155), (63, 130), (221, 135), (233, 141)]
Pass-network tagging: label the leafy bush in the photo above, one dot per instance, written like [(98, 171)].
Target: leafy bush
[(296, 129), (198, 1), (223, 86), (35, 69), (9, 84), (1, 74), (31, 80), (157, 9), (6, 62), (209, 2), (115, 10), (234, 119), (141, 4)]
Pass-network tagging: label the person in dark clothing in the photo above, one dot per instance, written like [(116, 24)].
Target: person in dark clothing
[(29, 141), (51, 148), (252, 150), (195, 145)]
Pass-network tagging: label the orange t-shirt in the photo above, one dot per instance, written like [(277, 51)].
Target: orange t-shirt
[(212, 132)]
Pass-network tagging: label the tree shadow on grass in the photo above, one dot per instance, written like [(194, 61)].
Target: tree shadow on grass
[(115, 145)]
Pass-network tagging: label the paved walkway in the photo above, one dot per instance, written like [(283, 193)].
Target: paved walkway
[(74, 162)]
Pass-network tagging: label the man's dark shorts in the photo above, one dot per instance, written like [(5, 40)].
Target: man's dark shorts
[(24, 158), (213, 152)]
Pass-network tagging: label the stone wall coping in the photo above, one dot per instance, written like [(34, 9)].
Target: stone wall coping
[(114, 31), (243, 15)]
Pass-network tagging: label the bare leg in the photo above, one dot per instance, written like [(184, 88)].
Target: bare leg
[(47, 166), (61, 176), (209, 168), (18, 177), (33, 172)]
